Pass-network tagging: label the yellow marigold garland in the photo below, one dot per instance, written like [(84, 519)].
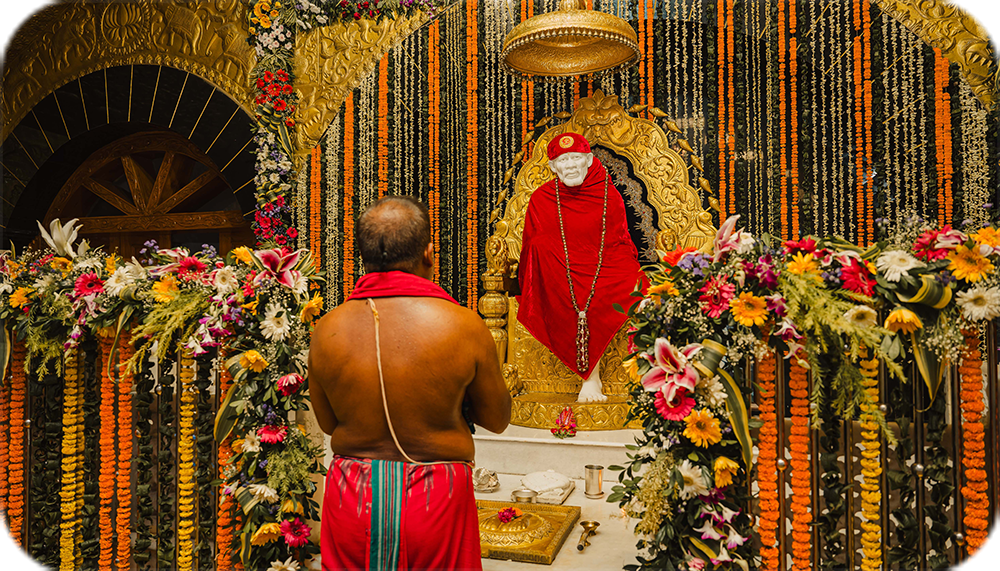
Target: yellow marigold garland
[(185, 466), (224, 520), (977, 501), (70, 494), (4, 442), (106, 475), (15, 474), (871, 470), (798, 381), (125, 433), (767, 468)]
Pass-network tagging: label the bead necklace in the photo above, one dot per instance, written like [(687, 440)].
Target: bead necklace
[(582, 329)]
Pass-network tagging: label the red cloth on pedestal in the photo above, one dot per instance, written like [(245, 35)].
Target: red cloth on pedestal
[(397, 284), (545, 308)]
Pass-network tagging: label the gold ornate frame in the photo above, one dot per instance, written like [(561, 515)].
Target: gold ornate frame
[(663, 172)]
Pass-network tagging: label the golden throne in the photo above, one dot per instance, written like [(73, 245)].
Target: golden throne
[(541, 384)]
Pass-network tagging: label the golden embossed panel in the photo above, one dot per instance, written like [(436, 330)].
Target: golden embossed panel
[(535, 537), (67, 41)]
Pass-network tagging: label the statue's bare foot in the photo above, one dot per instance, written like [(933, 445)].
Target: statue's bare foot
[(591, 391)]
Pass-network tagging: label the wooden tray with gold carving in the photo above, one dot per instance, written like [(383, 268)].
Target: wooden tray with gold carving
[(535, 537)]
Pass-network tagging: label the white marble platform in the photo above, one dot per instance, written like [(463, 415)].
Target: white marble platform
[(612, 548)]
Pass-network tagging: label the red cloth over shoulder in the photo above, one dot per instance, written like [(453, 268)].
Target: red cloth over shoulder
[(397, 284), (545, 308)]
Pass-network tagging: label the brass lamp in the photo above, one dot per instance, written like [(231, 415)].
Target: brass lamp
[(570, 43)]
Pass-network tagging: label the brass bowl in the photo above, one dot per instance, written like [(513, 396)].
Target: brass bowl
[(570, 43)]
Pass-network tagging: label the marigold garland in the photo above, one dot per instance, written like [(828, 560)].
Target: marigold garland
[(72, 464), (722, 138), (15, 475), (801, 478), (793, 115), (224, 522), (348, 233), (977, 500), (871, 469), (186, 465), (4, 441), (767, 468), (106, 443), (125, 434)]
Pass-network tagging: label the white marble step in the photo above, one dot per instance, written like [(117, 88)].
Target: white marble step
[(520, 450)]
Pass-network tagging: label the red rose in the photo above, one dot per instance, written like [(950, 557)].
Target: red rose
[(280, 105), (280, 239), (293, 233), (371, 13), (357, 16)]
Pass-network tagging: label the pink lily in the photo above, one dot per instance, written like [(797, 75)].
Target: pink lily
[(278, 264), (728, 239)]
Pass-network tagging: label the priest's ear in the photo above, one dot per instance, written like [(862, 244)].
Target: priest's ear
[(428, 255)]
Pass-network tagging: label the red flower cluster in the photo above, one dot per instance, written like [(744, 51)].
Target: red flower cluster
[(275, 89), (270, 222), (359, 10)]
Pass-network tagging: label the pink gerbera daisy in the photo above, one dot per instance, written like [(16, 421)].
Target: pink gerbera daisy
[(88, 284), (296, 532), (677, 408), (191, 265), (272, 434)]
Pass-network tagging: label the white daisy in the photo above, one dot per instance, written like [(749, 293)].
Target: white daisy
[(289, 564), (275, 326), (250, 442), (264, 493), (225, 280), (712, 391), (862, 316), (118, 281), (979, 303), (895, 263), (300, 284), (694, 480)]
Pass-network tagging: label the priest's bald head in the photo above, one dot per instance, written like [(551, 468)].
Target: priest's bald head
[(395, 234), (570, 158)]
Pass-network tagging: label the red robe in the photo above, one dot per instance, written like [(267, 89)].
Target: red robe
[(545, 308)]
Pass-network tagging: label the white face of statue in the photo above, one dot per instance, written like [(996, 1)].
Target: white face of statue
[(571, 168)]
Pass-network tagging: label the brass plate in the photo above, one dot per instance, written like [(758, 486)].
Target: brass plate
[(548, 527)]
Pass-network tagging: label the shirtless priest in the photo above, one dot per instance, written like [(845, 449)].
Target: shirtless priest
[(389, 370), (577, 261)]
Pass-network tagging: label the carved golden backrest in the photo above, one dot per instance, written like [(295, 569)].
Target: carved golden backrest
[(528, 366)]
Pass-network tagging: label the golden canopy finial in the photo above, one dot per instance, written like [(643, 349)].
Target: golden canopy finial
[(570, 43)]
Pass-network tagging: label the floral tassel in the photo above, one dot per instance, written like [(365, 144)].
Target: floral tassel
[(71, 464), (767, 468), (185, 466), (801, 471), (125, 433), (977, 501), (871, 470), (106, 443), (15, 475), (224, 521)]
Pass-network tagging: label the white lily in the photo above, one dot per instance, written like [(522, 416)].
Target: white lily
[(60, 237)]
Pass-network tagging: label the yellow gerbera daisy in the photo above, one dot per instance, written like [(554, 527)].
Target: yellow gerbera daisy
[(253, 360), (251, 306), (243, 254), (802, 263), (311, 309), (667, 287), (21, 296), (266, 533), (63, 265), (902, 319), (748, 309), (969, 265), (165, 290), (725, 469), (291, 505), (988, 237), (702, 428)]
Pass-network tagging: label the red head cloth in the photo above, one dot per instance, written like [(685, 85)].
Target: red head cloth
[(568, 143)]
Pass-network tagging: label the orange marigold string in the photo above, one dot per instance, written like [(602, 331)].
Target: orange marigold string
[(650, 54), (767, 467), (793, 132), (4, 440), (18, 385), (106, 443), (383, 126), (315, 204), (977, 500), (472, 154), (798, 382), (348, 209), (125, 442), (731, 98), (871, 469), (224, 530)]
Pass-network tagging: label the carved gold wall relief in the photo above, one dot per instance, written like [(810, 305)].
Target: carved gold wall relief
[(67, 41), (331, 62), (959, 37)]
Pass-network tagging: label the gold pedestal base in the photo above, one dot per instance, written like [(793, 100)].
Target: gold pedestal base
[(535, 537), (540, 410)]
